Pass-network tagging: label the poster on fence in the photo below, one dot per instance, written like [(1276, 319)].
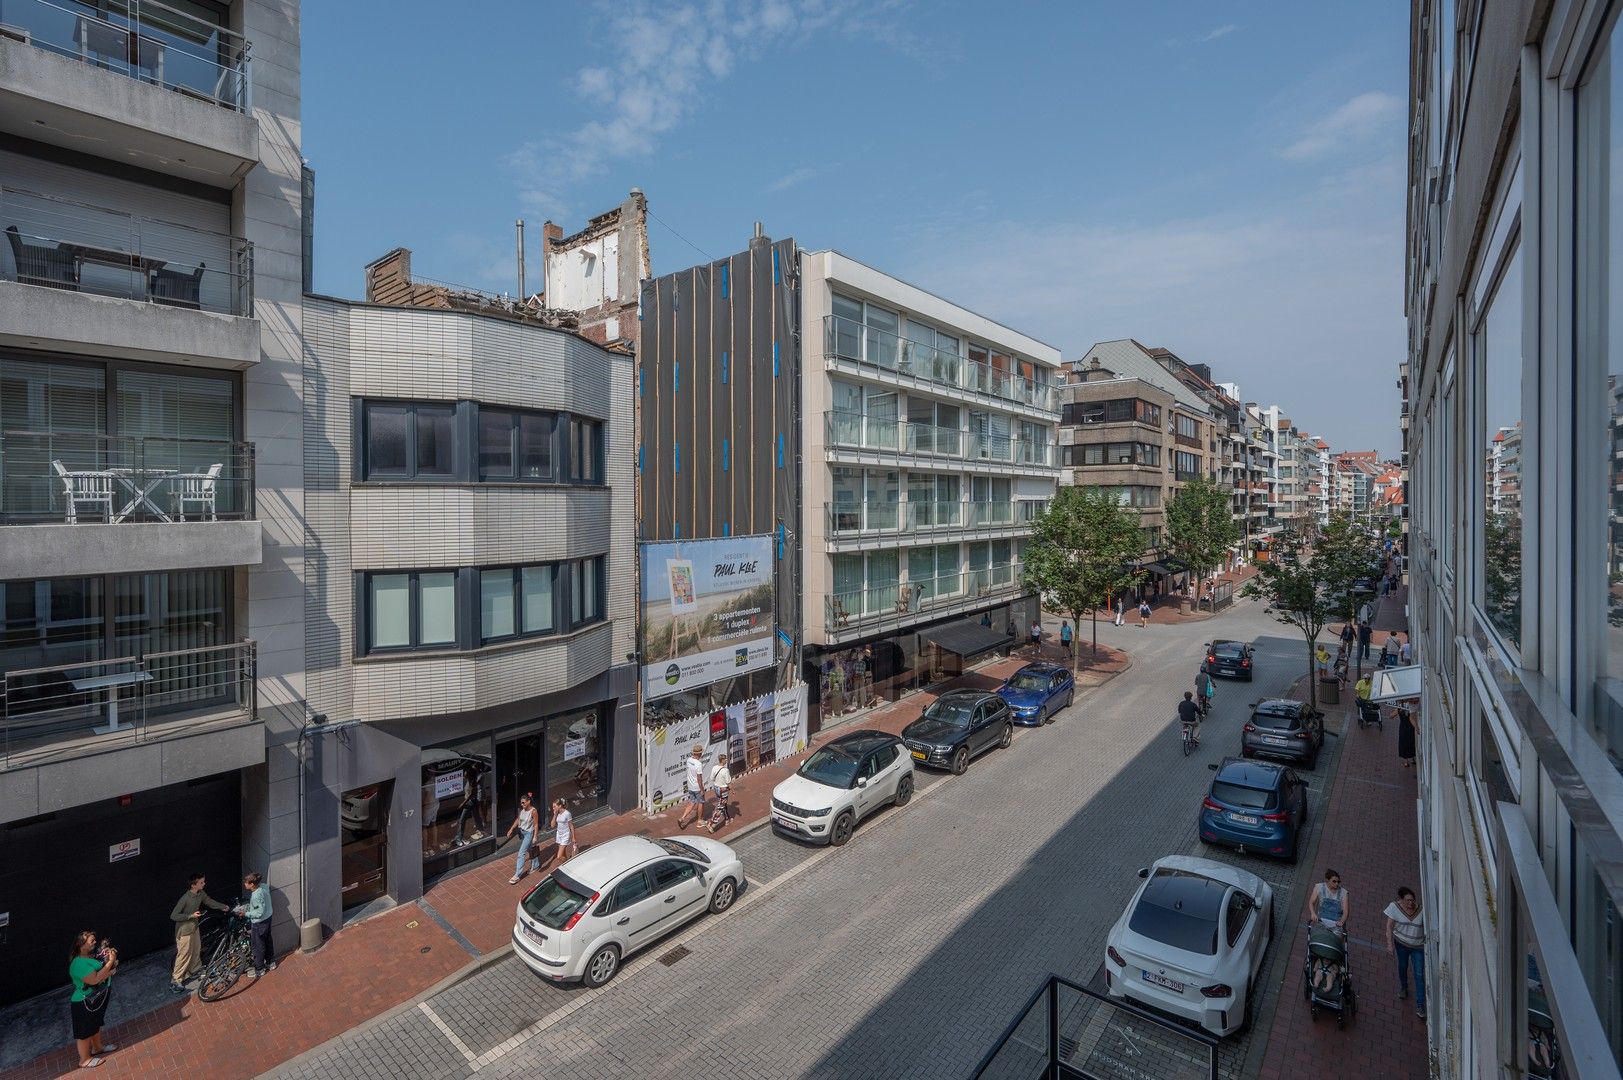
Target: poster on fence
[(789, 721), (750, 734)]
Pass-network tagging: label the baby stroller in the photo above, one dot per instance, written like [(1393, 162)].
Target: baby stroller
[(1326, 980), (1369, 713), (723, 811)]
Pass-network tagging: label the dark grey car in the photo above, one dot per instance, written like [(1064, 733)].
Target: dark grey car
[(1286, 730), (957, 726)]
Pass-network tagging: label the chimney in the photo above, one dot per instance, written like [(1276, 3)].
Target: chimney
[(388, 279)]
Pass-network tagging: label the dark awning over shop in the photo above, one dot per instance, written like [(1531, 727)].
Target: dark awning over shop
[(968, 639), (1159, 568)]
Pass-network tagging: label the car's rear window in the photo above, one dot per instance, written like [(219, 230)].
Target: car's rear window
[(1180, 910), (552, 902), (1248, 798), (1275, 720), (1027, 680), (1229, 650)]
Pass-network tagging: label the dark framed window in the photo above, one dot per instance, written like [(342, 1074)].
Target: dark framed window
[(410, 609), (407, 440), (498, 436), (586, 583), (518, 601), (585, 451)]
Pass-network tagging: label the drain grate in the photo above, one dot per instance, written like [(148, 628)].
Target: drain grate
[(670, 958)]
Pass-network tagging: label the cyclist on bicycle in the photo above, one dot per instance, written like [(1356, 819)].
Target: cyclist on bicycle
[(1205, 691), (1189, 716)]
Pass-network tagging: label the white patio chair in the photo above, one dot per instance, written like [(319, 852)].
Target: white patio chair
[(195, 489), (90, 488)]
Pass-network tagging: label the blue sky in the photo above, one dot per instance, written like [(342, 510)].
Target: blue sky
[(1223, 179)]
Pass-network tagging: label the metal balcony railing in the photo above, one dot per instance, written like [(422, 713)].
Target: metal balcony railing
[(63, 244), (853, 342), (1070, 1032), (145, 40), (80, 479), (854, 519), (846, 609), (65, 708)]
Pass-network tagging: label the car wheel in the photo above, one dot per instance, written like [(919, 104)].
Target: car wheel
[(1245, 1016), (842, 830), (1294, 853), (723, 897), (1008, 737), (904, 790), (960, 761), (1042, 716), (602, 966), (1069, 698)]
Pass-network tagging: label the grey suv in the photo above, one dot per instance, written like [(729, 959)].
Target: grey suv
[(1287, 730)]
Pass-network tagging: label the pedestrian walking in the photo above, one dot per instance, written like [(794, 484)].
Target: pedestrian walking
[(187, 913), (1364, 634), (1321, 656), (1385, 584), (524, 825), (563, 824), (257, 911), (1406, 940), (1329, 905), (1406, 734), (1121, 610), (1037, 638), (1143, 614), (1406, 653), (91, 966), (692, 788), (986, 620), (721, 781), (1348, 636), (1065, 638), (1389, 651)]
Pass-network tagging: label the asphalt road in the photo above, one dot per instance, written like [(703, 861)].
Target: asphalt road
[(905, 953)]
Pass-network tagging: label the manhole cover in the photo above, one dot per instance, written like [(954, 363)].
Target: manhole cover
[(674, 955)]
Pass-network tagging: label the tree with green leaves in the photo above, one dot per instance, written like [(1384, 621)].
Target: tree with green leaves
[(1081, 551), (1308, 578), (1200, 526)]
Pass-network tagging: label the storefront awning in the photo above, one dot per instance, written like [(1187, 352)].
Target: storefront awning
[(1395, 684), (1159, 568), (968, 639)]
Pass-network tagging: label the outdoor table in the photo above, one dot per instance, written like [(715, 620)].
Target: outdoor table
[(141, 483), (111, 684), (123, 260)]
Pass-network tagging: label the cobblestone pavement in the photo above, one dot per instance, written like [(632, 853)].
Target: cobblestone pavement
[(905, 953)]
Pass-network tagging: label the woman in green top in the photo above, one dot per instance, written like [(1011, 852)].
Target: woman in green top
[(90, 968)]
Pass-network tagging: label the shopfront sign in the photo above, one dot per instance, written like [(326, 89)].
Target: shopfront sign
[(449, 785), (708, 611), (127, 849)]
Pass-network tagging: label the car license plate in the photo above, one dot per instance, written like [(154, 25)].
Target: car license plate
[(1246, 819), (534, 934), (1161, 980), (1276, 740), (919, 755)]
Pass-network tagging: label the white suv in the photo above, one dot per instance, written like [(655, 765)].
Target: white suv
[(592, 912), (840, 784)]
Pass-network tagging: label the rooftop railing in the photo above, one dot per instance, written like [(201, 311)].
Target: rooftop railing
[(74, 708), (79, 478), (145, 40), (853, 342), (60, 243)]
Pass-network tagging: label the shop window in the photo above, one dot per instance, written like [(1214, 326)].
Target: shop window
[(574, 773), (458, 807)]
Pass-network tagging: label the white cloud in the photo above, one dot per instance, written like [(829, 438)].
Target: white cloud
[(1353, 123), (1200, 39), (791, 178), (1222, 31), (656, 62)]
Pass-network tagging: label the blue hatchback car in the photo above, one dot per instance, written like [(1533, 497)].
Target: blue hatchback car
[(1255, 806), (1036, 692)]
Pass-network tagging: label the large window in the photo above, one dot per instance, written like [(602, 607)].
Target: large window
[(1114, 454), (408, 440), (586, 591), (1118, 411), (419, 440), (1497, 347), (411, 610), (1187, 466)]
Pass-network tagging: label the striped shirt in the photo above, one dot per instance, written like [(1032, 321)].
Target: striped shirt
[(1407, 932)]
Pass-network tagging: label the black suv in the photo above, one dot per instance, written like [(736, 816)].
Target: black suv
[(1287, 730), (957, 726)]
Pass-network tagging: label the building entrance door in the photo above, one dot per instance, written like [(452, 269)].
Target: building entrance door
[(365, 832), (518, 772)]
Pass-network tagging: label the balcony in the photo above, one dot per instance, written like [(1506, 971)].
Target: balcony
[(166, 87), (73, 710), (858, 520), (864, 350), (92, 501), (893, 438), (84, 266), (847, 612)]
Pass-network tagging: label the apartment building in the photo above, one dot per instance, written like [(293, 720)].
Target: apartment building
[(1512, 261), (152, 533), (470, 500), (929, 436)]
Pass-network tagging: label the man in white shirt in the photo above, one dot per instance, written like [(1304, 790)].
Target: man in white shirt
[(692, 788)]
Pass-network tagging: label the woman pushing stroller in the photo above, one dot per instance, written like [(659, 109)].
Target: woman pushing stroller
[(1328, 980)]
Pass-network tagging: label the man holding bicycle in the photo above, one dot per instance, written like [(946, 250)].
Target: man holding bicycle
[(1189, 716)]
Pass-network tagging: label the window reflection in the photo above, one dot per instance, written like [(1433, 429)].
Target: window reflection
[(1499, 364)]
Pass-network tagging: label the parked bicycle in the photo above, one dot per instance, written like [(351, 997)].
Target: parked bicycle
[(231, 959)]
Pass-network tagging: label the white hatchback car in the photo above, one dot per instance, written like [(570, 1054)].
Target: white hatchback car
[(1191, 942), (589, 914), (841, 783)]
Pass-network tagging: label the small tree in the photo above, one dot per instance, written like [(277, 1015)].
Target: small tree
[(1309, 576), (1080, 551), (1201, 527)]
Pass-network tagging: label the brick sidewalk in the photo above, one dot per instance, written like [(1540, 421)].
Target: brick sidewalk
[(1370, 837), (366, 969)]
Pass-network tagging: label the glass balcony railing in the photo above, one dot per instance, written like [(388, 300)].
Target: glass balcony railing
[(848, 608), (145, 40), (854, 519), (72, 708), (62, 244), (857, 431), (81, 479), (850, 341)]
